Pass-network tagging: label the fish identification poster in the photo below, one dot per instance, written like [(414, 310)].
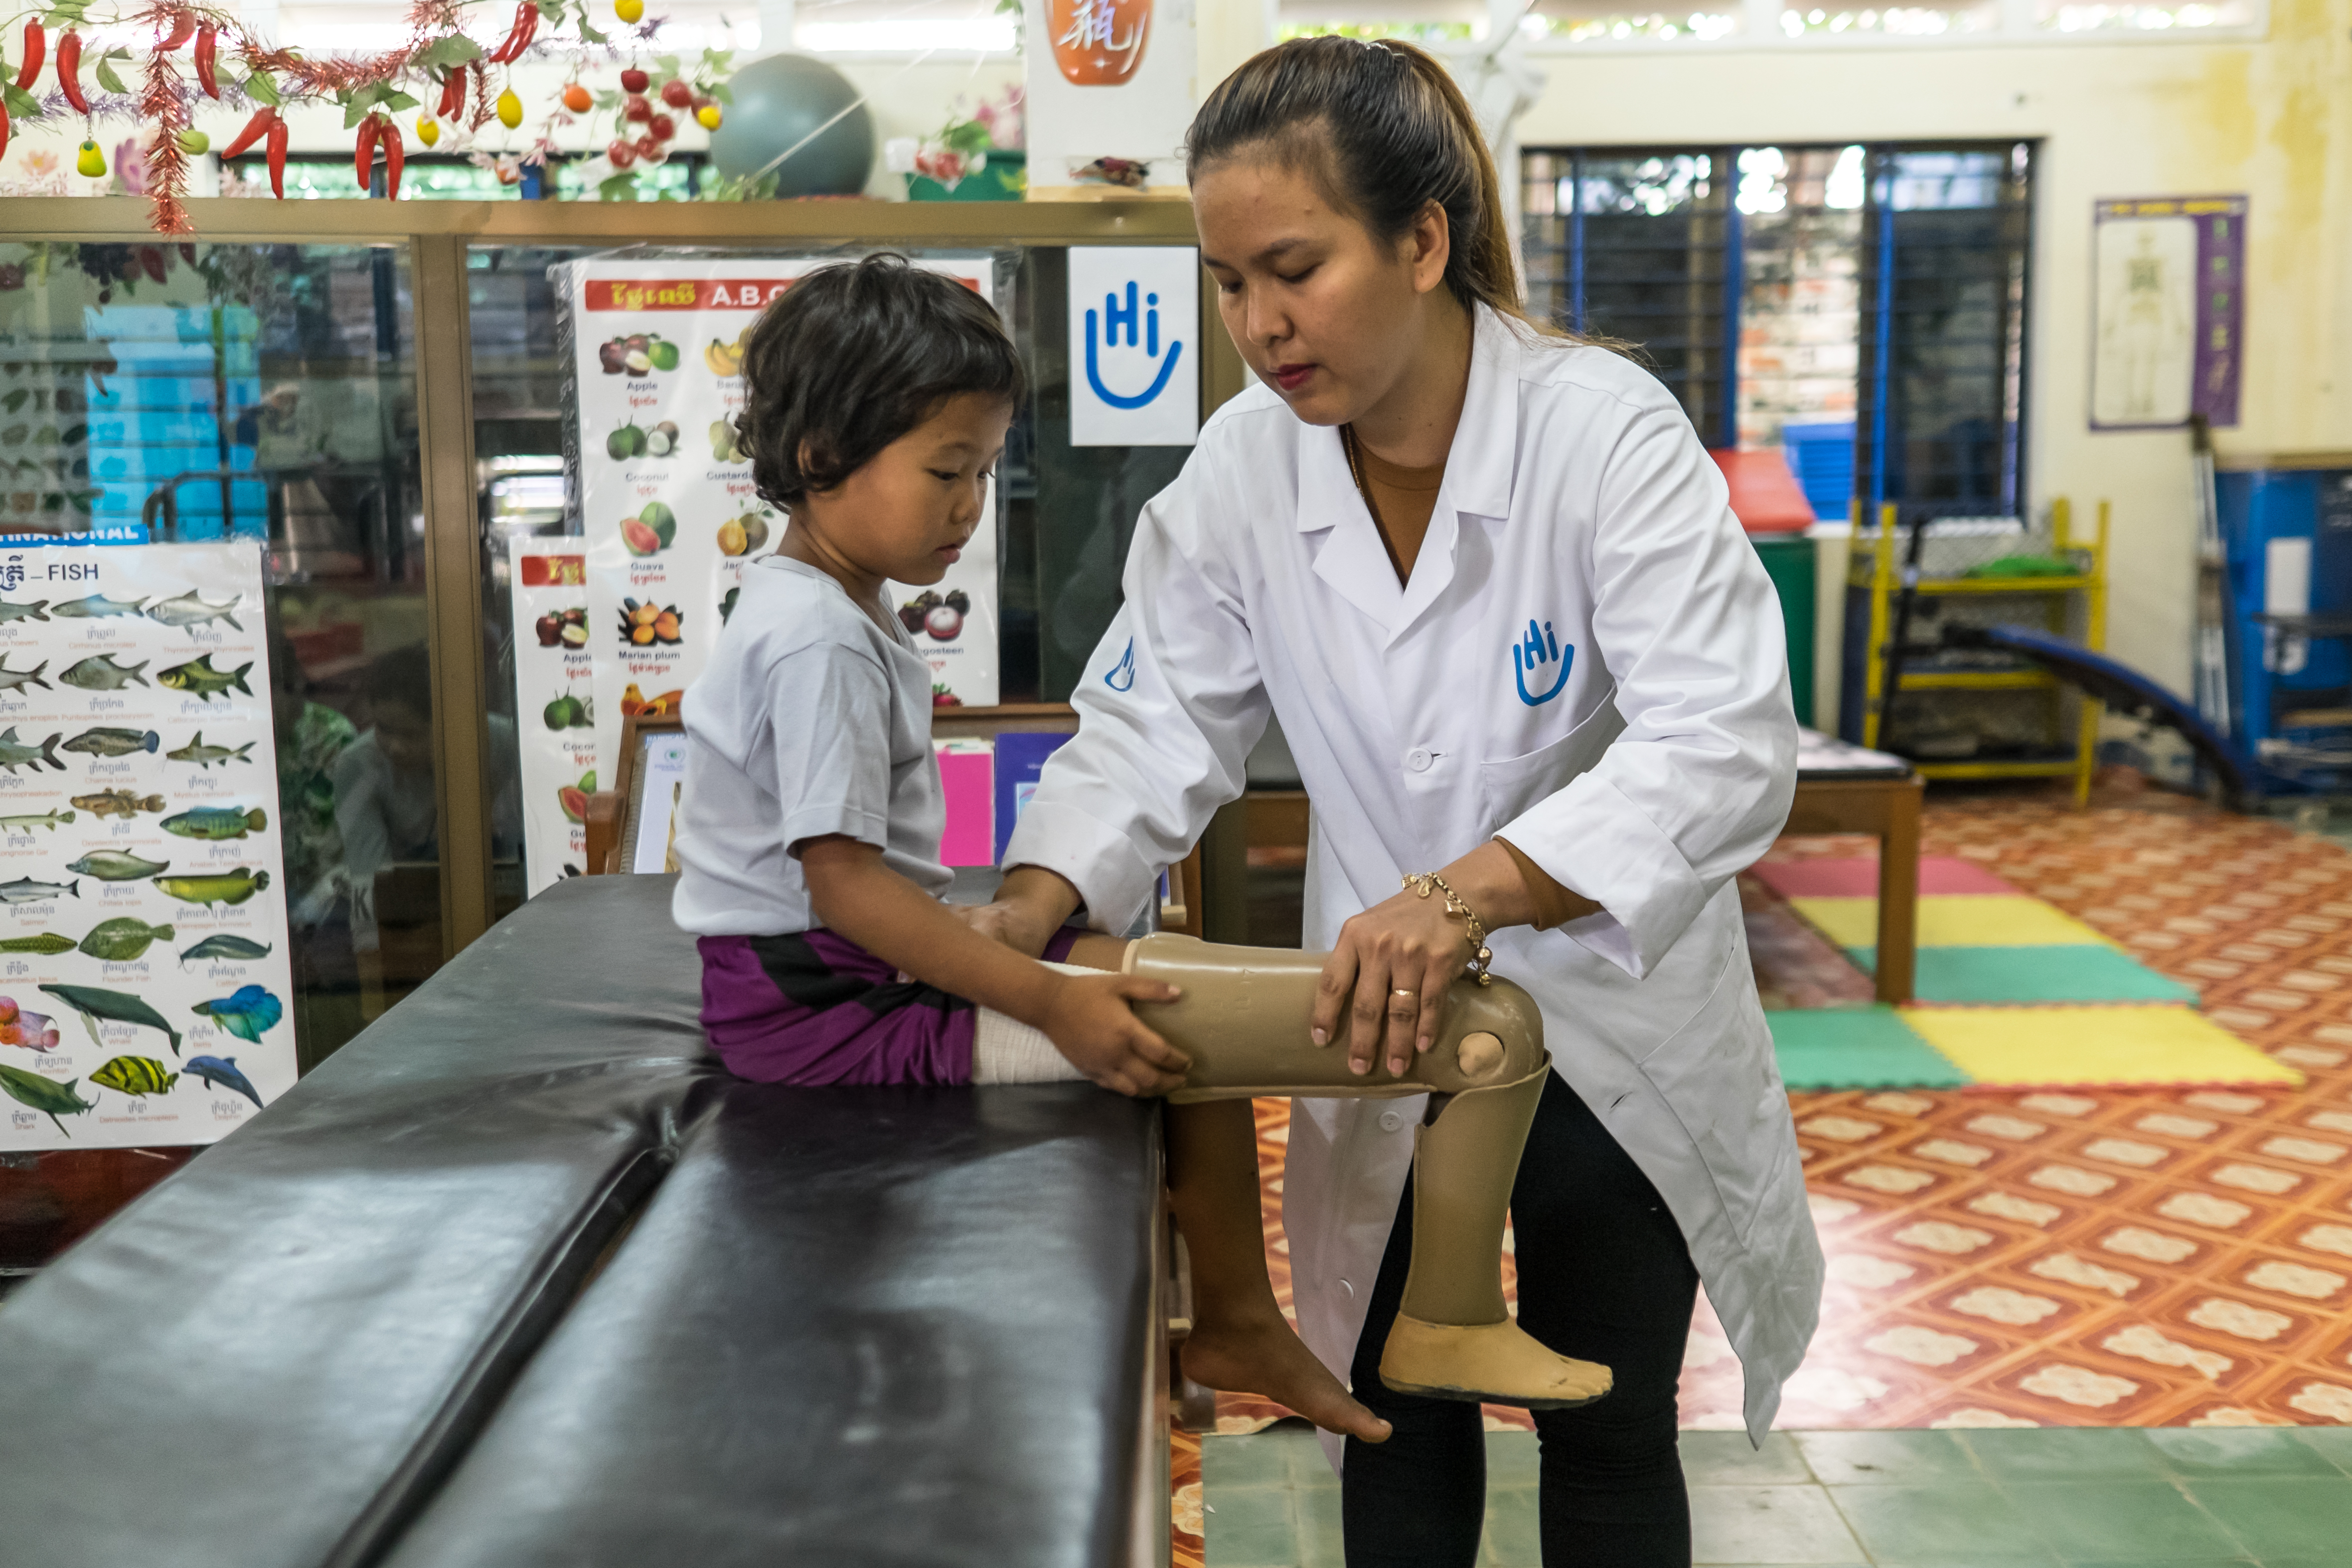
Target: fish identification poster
[(670, 519), (144, 969)]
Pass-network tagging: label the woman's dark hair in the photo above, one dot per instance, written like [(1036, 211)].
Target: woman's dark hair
[(1382, 130), (852, 357)]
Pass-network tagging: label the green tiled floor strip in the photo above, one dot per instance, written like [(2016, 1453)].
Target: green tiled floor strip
[(2040, 1499)]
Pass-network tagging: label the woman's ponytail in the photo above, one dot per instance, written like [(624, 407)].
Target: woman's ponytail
[(1384, 129)]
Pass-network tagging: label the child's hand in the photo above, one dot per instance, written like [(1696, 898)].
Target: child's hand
[(1089, 1022)]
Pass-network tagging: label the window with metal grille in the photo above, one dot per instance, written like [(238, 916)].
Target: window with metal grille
[(1865, 305)]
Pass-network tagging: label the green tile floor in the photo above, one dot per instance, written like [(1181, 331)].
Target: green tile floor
[(2009, 1498)]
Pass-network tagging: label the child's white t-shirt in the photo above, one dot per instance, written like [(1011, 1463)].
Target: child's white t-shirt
[(810, 720)]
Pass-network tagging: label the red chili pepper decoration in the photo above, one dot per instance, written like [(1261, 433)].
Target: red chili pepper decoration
[(364, 151), (3, 129), (183, 26), (277, 134), (526, 24), (207, 59), (255, 129), (444, 108), (36, 43), (69, 71), (392, 156), (457, 93)]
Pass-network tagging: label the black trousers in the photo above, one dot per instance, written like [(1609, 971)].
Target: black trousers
[(1604, 1276)]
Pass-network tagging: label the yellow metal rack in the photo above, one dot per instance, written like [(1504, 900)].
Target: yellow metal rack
[(1881, 573)]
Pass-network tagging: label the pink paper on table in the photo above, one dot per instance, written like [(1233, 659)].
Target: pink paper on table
[(969, 780)]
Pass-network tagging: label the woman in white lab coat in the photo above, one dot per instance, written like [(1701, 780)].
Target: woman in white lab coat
[(1488, 581)]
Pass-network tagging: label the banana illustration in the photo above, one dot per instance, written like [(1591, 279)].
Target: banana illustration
[(723, 360)]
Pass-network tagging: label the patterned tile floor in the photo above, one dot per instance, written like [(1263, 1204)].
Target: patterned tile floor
[(2079, 1258), (2075, 1258), (1894, 1500)]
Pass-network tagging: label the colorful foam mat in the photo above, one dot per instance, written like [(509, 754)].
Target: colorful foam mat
[(2012, 992)]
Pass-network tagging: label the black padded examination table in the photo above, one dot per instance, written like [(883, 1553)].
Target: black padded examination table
[(520, 1277)]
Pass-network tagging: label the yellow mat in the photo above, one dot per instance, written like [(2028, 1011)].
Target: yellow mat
[(1956, 919), (2090, 1047)]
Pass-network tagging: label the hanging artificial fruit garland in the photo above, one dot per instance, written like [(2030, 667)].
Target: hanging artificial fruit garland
[(439, 59)]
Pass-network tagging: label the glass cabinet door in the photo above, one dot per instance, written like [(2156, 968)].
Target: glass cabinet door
[(267, 393), (193, 393)]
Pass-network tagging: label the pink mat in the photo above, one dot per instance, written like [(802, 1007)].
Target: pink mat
[(1938, 873)]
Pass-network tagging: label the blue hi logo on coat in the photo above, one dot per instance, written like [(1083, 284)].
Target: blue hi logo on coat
[(1105, 334), (1538, 649), (1122, 674)]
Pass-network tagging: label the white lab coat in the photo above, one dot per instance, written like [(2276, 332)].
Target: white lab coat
[(1589, 661)]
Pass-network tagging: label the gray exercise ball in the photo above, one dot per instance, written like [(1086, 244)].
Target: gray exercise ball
[(779, 100)]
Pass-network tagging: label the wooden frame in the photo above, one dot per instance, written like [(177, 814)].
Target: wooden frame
[(610, 811)]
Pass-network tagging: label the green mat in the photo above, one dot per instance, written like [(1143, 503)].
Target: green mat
[(2042, 974), (1856, 1047)]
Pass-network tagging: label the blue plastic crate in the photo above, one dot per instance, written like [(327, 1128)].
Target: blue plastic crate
[(1821, 457)]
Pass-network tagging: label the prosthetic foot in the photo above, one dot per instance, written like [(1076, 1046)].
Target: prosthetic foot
[(1243, 1020)]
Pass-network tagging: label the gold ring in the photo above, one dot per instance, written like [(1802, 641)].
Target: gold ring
[(1404, 992)]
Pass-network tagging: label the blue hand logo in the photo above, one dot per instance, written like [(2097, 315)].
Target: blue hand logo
[(1540, 648), (1122, 674), (1115, 316)]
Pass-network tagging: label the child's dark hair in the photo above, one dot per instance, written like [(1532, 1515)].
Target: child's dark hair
[(852, 357)]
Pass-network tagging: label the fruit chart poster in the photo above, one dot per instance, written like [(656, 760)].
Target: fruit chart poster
[(143, 970), (668, 521)]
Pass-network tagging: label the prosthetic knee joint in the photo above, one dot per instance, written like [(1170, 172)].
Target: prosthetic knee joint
[(1245, 1020)]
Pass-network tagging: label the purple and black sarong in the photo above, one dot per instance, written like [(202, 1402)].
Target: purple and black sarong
[(814, 1009)]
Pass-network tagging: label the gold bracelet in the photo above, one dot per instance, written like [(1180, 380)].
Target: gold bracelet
[(1421, 883)]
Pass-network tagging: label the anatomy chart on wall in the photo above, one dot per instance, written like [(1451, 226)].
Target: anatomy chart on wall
[(2167, 311), (669, 523), (144, 978)]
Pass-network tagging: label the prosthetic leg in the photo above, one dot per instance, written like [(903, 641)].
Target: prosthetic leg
[(1243, 1020)]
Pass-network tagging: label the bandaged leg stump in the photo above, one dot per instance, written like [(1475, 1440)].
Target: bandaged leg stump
[(1245, 1020)]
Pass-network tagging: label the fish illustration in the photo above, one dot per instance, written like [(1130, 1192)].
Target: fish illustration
[(25, 891), (212, 888), (49, 819), (191, 611), (98, 606), (245, 1013), (115, 1006), (123, 939), (225, 946), (137, 1077), (221, 1073), (199, 676), (16, 753), (205, 756), (31, 612), (48, 1096), (210, 822), (101, 673), (34, 1031), (47, 945), (105, 743), (15, 679), (118, 803), (114, 865)]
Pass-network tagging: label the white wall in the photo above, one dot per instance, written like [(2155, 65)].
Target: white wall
[(2272, 119)]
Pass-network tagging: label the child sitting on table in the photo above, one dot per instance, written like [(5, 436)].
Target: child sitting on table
[(878, 399)]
